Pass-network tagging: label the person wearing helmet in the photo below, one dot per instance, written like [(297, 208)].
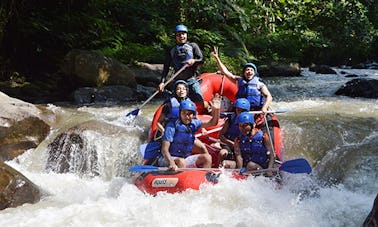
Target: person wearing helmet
[(179, 138), (229, 132), (252, 147), (170, 110), (184, 52), (250, 86)]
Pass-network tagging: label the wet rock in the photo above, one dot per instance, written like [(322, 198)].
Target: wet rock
[(280, 69), (148, 74), (15, 188), (78, 150), (372, 219), (96, 70), (71, 152), (361, 87), (322, 69), (22, 126), (111, 94)]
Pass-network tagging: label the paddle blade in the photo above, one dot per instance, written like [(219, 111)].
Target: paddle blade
[(150, 150), (133, 113), (143, 168), (299, 165)]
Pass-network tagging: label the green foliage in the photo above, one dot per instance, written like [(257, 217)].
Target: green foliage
[(308, 31), (135, 52)]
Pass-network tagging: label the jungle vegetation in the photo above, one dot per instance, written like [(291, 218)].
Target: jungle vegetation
[(36, 34)]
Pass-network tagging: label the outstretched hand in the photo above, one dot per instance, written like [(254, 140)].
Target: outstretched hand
[(215, 52), (190, 61), (216, 102)]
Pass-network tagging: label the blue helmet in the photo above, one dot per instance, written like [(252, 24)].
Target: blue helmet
[(249, 64), (181, 82), (181, 28), (242, 103), (188, 105), (246, 117)]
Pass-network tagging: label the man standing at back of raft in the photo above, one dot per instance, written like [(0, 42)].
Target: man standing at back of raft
[(189, 53)]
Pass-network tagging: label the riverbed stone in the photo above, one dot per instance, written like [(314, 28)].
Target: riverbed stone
[(90, 68), (15, 188), (22, 126), (107, 95), (280, 69), (322, 69), (76, 150), (360, 87), (372, 218)]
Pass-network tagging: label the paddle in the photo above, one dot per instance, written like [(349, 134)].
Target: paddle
[(151, 149), (225, 114), (136, 111), (299, 165)]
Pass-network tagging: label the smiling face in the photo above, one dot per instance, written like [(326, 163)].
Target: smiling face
[(245, 128), (181, 91), (186, 116), (181, 37), (249, 73)]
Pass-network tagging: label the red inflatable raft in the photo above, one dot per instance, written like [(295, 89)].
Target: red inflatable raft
[(211, 84)]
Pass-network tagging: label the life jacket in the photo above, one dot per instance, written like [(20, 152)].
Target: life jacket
[(183, 140), (174, 109), (233, 128), (253, 148), (180, 54), (249, 90)]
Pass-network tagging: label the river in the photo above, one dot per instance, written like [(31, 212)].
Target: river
[(337, 135)]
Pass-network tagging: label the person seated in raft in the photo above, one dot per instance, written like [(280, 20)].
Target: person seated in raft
[(228, 134), (179, 137), (170, 112), (250, 86), (252, 147)]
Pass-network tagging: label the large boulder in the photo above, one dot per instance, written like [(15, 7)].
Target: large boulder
[(361, 87), (90, 68), (372, 218), (148, 74), (322, 69), (87, 149), (22, 126), (115, 94), (15, 188), (280, 69)]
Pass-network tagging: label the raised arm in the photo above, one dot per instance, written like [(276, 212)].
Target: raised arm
[(238, 156), (215, 106), (222, 67), (268, 99), (223, 132)]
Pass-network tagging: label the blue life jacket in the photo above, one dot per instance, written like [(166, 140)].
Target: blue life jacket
[(180, 54), (249, 90), (183, 140), (253, 148), (174, 109), (233, 128)]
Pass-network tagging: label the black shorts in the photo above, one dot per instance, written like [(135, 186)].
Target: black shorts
[(230, 150)]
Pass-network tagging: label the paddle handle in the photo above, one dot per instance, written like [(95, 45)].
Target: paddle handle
[(209, 132), (165, 84), (260, 112), (219, 169)]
